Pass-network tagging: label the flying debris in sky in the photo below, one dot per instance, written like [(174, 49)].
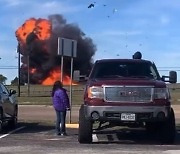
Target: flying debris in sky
[(91, 5), (115, 10), (117, 55)]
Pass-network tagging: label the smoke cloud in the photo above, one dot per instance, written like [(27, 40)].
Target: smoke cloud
[(43, 53)]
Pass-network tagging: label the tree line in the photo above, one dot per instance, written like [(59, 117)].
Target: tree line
[(3, 80)]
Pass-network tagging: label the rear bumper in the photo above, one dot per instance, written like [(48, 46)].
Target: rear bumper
[(142, 113)]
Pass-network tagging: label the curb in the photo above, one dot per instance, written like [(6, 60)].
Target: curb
[(72, 125)]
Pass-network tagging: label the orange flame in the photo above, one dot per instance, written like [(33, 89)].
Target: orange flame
[(33, 70), (55, 75), (42, 28)]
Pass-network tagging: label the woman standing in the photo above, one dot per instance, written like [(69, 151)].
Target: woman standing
[(61, 105)]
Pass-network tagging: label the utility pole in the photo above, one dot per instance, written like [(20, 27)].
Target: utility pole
[(28, 85), (19, 73), (29, 42)]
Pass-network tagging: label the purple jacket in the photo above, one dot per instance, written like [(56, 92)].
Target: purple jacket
[(61, 100)]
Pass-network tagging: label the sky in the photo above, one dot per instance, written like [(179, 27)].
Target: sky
[(118, 28)]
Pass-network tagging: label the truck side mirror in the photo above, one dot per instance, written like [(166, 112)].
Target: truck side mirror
[(172, 76), (12, 92)]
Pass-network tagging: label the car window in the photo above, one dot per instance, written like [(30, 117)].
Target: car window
[(4, 89), (1, 90)]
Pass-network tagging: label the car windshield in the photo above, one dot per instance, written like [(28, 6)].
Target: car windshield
[(125, 69)]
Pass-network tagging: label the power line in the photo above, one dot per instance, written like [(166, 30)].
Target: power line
[(169, 67), (8, 68), (165, 68), (169, 70)]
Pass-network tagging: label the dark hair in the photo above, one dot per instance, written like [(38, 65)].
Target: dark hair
[(57, 85)]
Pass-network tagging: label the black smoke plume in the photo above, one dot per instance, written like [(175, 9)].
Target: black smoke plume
[(46, 59)]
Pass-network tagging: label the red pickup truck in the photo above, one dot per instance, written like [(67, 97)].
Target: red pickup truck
[(127, 92)]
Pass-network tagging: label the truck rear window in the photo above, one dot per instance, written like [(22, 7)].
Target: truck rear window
[(124, 69)]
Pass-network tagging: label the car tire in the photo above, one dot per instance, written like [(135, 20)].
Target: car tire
[(151, 127), (167, 129), (1, 120), (85, 128), (13, 122)]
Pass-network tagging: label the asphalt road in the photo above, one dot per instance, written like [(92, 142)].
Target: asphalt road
[(35, 134), (47, 114)]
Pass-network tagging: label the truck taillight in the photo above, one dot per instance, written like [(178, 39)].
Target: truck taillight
[(161, 93), (95, 92)]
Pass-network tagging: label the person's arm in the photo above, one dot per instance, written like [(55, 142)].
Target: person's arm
[(66, 99)]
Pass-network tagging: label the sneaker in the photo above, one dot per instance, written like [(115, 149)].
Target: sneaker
[(58, 133), (63, 134)]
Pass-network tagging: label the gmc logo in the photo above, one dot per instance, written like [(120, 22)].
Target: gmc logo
[(128, 93)]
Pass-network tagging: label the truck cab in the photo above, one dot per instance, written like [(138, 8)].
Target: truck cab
[(127, 92)]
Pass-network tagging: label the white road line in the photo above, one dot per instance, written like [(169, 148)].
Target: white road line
[(54, 139), (172, 152), (94, 137), (2, 136)]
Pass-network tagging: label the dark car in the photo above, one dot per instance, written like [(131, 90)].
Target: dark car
[(127, 92), (8, 107)]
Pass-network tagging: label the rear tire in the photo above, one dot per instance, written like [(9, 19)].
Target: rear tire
[(85, 128), (13, 122), (1, 120), (151, 127), (167, 131)]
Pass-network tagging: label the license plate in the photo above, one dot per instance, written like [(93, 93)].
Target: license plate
[(128, 116)]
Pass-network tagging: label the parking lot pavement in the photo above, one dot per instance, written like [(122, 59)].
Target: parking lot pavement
[(40, 138), (35, 134)]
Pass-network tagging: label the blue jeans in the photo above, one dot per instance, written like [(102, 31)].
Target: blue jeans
[(60, 122)]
